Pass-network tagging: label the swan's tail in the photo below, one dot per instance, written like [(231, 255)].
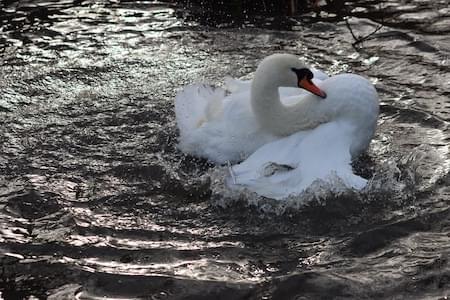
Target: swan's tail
[(197, 104)]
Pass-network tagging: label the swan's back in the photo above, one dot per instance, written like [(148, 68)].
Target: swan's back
[(352, 98)]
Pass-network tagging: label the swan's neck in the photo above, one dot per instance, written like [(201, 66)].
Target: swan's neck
[(278, 118)]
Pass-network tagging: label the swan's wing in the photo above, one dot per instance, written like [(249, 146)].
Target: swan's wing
[(234, 85), (319, 75), (217, 127), (197, 104), (309, 155), (198, 113)]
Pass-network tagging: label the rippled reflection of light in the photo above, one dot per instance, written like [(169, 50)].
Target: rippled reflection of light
[(201, 269)]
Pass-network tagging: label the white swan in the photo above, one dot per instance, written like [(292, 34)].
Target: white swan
[(288, 137)]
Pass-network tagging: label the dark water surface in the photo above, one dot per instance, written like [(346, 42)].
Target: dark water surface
[(96, 201)]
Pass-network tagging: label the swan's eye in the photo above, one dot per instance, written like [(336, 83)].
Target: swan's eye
[(303, 73)]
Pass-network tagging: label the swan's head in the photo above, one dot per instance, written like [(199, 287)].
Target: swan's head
[(287, 70)]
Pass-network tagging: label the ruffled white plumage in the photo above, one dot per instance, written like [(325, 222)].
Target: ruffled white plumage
[(290, 165), (219, 124), (222, 130)]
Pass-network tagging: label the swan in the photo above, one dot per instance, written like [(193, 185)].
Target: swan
[(286, 128)]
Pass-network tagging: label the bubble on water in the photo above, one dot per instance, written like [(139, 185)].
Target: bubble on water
[(370, 61)]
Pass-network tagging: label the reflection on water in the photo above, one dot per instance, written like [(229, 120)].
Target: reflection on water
[(97, 201)]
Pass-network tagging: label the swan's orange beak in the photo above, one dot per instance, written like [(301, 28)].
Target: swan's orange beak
[(311, 87)]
